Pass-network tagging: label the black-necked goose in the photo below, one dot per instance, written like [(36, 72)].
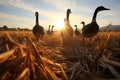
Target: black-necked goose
[(38, 30), (83, 23), (82, 30), (77, 33), (67, 31), (52, 30), (48, 32), (92, 28)]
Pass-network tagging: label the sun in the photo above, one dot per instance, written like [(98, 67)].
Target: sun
[(59, 24)]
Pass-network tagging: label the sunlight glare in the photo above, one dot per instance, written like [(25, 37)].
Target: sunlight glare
[(59, 24)]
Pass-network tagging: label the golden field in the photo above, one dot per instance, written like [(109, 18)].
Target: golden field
[(23, 58)]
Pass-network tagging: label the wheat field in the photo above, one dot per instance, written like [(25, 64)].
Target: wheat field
[(23, 58)]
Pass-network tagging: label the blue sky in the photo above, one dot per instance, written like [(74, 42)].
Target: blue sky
[(20, 13)]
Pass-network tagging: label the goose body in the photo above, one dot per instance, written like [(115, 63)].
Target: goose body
[(38, 30), (92, 28), (67, 31), (89, 31)]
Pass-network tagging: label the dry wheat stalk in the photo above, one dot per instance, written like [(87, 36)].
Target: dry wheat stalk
[(24, 75), (4, 56)]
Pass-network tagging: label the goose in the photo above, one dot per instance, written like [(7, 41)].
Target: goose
[(91, 29), (77, 33), (67, 31), (48, 32), (38, 30), (52, 30), (82, 30)]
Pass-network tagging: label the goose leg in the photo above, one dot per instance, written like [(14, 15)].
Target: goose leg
[(83, 42)]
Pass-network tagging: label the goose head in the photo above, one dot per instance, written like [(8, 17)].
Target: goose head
[(36, 13), (75, 25), (82, 22), (52, 26), (69, 11), (101, 8)]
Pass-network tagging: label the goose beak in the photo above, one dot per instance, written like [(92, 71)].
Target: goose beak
[(107, 9)]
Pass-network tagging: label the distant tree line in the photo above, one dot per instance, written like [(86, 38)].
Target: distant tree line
[(5, 27)]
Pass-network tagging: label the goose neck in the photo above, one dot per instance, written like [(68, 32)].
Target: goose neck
[(76, 27), (83, 24), (49, 28), (94, 16), (67, 16), (37, 20), (52, 29)]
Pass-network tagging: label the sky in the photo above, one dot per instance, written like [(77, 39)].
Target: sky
[(20, 13)]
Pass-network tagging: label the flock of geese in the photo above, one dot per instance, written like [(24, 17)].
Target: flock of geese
[(50, 31), (88, 31)]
